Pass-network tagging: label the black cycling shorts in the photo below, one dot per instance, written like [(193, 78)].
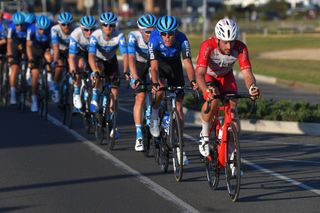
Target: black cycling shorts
[(111, 70), (17, 50), (38, 54), (143, 71), (171, 70)]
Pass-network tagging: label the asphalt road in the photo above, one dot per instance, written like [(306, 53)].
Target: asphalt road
[(46, 167)]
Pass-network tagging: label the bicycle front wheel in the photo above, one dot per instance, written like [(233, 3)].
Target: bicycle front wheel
[(177, 145), (233, 163)]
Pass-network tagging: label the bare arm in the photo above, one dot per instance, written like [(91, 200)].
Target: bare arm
[(72, 63), (29, 49), (189, 68), (200, 73), (9, 46), (56, 53), (249, 78), (154, 64), (125, 63), (132, 66), (3, 41), (92, 62)]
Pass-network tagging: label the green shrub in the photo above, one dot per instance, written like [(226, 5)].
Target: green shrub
[(282, 110)]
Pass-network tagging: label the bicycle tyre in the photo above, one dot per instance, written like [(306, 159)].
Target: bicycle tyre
[(86, 114), (112, 123), (212, 170), (146, 140), (44, 114), (233, 161), (163, 155), (99, 130), (176, 142), (155, 149), (69, 105)]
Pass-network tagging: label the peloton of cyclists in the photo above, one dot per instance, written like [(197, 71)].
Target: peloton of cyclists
[(216, 58), (139, 64)]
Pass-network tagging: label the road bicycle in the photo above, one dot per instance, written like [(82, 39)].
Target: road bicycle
[(66, 94), (4, 80), (86, 95), (170, 141), (43, 90), (22, 87), (224, 147), (105, 118)]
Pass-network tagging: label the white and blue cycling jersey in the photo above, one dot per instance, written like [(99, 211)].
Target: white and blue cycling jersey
[(106, 50), (78, 42), (17, 35), (38, 39), (58, 37), (159, 51), (138, 47)]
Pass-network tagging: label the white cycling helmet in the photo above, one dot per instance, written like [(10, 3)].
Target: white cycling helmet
[(226, 29)]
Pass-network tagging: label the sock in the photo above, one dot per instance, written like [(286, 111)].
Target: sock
[(95, 94), (139, 131), (205, 128), (12, 89), (76, 90), (154, 114)]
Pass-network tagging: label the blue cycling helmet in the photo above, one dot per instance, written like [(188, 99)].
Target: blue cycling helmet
[(108, 18), (30, 18), (88, 22), (18, 18), (147, 21), (167, 24), (43, 22), (65, 18)]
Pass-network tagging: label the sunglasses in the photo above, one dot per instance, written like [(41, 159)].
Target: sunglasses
[(170, 33), (87, 30), (18, 25), (65, 25), (109, 25), (147, 31)]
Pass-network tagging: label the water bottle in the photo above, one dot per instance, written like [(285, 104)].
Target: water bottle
[(85, 95), (104, 101), (166, 122), (148, 112)]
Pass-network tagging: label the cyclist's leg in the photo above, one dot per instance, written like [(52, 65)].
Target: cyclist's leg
[(79, 61), (140, 96), (14, 70), (96, 89)]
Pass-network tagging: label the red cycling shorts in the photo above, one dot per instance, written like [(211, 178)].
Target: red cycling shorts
[(225, 84)]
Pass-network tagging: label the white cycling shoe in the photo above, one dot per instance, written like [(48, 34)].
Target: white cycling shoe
[(34, 104), (139, 145), (204, 145)]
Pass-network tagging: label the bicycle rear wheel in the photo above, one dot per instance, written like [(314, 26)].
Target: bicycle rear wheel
[(99, 129), (233, 163), (146, 140), (177, 145)]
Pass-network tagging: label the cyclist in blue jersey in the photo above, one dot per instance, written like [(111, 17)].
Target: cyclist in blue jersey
[(30, 19), (166, 45), (103, 45), (60, 34), (139, 64), (16, 46), (78, 52), (38, 48), (3, 40)]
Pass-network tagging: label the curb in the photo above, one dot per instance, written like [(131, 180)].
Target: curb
[(281, 127)]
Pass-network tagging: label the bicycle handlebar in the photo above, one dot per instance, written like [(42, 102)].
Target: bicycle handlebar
[(231, 96)]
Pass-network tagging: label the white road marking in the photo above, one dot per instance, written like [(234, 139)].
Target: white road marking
[(296, 161), (161, 191)]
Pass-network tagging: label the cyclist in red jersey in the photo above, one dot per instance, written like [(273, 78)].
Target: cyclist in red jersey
[(216, 58)]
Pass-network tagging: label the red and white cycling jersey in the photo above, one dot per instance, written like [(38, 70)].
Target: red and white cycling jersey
[(218, 64)]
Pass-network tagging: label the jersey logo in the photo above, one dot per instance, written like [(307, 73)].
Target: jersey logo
[(72, 43), (132, 39), (93, 41), (122, 41)]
